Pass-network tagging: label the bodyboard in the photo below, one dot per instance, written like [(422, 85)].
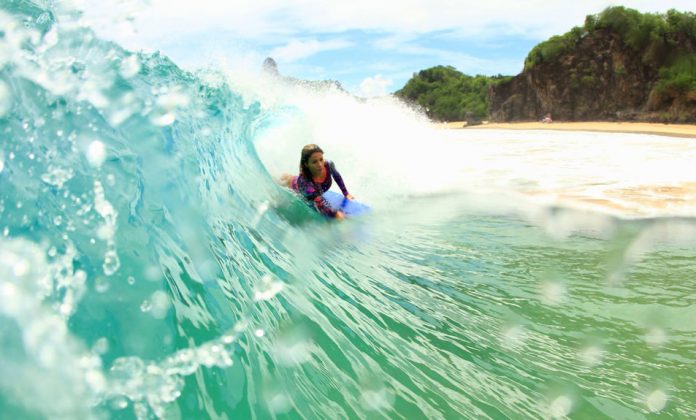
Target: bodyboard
[(349, 207)]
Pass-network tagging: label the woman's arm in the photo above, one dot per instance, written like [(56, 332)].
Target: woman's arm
[(338, 178)]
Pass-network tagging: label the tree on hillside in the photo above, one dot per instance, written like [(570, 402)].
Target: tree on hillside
[(653, 35), (447, 94)]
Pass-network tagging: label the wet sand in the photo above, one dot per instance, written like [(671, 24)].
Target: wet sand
[(672, 130), (635, 201)]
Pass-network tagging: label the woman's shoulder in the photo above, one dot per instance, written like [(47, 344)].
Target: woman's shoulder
[(301, 179)]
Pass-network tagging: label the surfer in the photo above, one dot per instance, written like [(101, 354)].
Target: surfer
[(315, 178)]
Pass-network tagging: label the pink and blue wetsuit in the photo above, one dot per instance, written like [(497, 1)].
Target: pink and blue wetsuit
[(312, 190)]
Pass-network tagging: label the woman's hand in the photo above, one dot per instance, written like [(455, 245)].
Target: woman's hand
[(349, 197), (340, 215)]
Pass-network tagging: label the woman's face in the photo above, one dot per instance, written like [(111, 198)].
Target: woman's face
[(315, 163)]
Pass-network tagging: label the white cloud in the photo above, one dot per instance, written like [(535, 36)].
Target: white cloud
[(158, 20), (296, 50), (374, 86), (204, 31)]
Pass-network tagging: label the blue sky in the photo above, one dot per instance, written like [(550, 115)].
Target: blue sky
[(371, 47)]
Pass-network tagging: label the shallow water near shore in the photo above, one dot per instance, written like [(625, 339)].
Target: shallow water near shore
[(151, 267)]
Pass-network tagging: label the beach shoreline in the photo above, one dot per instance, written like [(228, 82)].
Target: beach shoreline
[(671, 130)]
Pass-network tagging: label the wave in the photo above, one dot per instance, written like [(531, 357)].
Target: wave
[(126, 181)]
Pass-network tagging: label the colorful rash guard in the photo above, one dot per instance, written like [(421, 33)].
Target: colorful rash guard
[(312, 191)]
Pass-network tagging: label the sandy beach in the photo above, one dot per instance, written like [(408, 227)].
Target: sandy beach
[(673, 130), (625, 195)]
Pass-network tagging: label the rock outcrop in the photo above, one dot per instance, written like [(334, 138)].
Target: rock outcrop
[(270, 67), (601, 78)]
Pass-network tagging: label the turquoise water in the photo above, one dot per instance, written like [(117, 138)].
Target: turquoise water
[(151, 267)]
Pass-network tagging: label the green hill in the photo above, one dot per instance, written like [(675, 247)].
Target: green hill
[(449, 95)]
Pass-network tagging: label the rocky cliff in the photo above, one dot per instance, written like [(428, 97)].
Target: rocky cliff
[(600, 76)]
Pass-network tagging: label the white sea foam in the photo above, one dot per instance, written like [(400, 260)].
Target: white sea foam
[(385, 150)]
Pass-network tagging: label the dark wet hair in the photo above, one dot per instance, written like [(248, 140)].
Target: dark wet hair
[(307, 152)]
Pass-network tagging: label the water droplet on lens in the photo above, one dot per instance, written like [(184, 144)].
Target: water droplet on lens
[(96, 153), (146, 306), (101, 284), (65, 309), (57, 176), (514, 336), (374, 400), (656, 400), (119, 403), (591, 356), (163, 119), (21, 268), (101, 346), (95, 379), (111, 262), (279, 403), (160, 304), (130, 66), (8, 291), (241, 325), (656, 337), (268, 288), (293, 348), (561, 406), (152, 273), (553, 293)]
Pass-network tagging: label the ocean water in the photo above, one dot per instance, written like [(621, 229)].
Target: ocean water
[(151, 267)]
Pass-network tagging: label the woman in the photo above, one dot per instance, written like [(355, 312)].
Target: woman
[(315, 179)]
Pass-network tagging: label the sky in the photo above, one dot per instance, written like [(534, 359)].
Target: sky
[(372, 47)]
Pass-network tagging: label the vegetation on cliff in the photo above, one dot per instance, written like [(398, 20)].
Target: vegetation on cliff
[(655, 36), (449, 95), (620, 65), (659, 39)]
